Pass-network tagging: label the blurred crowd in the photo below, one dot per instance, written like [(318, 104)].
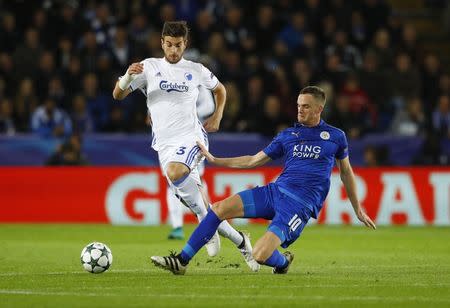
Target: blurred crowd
[(59, 61)]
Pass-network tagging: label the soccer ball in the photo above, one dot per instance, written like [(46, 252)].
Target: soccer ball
[(96, 258)]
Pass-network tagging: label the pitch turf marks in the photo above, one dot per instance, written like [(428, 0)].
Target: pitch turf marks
[(318, 298)]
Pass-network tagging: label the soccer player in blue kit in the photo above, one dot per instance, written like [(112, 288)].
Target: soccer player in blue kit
[(310, 149)]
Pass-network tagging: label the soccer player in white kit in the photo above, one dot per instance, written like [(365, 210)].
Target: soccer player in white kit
[(205, 108), (171, 85)]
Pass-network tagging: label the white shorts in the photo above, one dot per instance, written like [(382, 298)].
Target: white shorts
[(187, 153)]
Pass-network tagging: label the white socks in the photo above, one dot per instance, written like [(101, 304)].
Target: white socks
[(189, 191)]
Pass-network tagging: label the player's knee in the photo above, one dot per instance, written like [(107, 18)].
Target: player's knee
[(259, 255), (218, 209), (176, 172)]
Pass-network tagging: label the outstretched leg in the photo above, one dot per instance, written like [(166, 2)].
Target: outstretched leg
[(229, 208)]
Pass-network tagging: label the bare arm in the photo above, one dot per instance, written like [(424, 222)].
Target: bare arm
[(348, 178), (248, 161), (213, 122), (121, 90)]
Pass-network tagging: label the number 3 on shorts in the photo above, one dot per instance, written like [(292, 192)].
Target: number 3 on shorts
[(294, 223), (181, 150)]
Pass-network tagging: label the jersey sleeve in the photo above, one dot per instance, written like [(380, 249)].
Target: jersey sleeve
[(207, 78), (140, 82), (275, 149), (342, 151)]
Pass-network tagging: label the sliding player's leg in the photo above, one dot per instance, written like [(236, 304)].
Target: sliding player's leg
[(229, 208)]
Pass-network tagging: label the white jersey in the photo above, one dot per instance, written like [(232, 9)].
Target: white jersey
[(206, 105), (172, 91)]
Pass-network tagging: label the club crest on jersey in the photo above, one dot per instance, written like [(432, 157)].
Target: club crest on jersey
[(325, 135), (173, 86), (188, 76)]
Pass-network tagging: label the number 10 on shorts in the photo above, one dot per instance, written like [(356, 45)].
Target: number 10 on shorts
[(294, 223)]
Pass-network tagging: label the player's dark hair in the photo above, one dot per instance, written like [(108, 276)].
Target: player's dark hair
[(316, 92), (175, 29)]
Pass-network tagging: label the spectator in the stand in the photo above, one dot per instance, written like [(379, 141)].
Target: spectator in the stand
[(153, 46), (302, 75), (340, 115), (98, 103), (409, 43), (374, 82), (203, 27), (360, 104), (358, 32), (49, 121), (292, 34), (81, 119), (441, 117), (68, 154), (349, 54), (40, 22), (25, 103), (326, 33), (166, 13), (26, 54), (46, 70), (404, 80), (431, 72), (231, 114), (283, 90), (254, 94), (64, 52), (382, 49), (270, 120), (235, 32), (139, 29), (116, 122), (105, 73), (89, 52), (232, 69), (334, 71), (120, 49), (72, 76), (7, 74), (57, 92), (7, 126), (103, 25), (310, 51), (67, 22), (9, 35), (264, 30), (409, 121)]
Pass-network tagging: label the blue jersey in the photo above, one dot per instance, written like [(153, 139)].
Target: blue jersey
[(309, 154)]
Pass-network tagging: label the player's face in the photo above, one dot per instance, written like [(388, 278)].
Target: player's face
[(173, 48), (308, 110)]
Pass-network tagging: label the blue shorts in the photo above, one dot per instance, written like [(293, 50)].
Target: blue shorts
[(287, 215)]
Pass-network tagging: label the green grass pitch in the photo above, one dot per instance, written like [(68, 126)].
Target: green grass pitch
[(333, 266)]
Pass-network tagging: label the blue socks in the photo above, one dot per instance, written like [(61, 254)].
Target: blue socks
[(277, 259), (202, 234)]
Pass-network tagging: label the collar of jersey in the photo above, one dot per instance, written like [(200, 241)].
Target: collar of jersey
[(165, 60), (297, 124)]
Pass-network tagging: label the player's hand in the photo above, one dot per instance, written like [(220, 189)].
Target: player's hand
[(209, 157), (212, 124), (364, 218), (135, 68)]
